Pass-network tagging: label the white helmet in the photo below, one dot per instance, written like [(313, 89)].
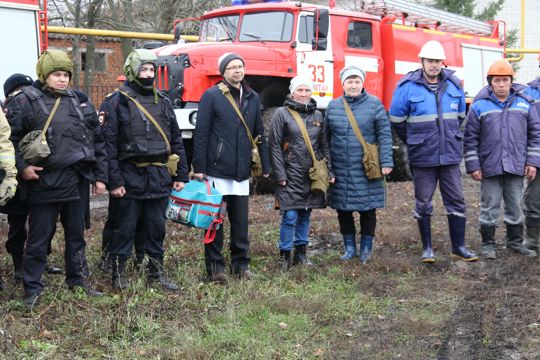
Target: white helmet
[(432, 50)]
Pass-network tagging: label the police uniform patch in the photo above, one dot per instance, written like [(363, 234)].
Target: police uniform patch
[(101, 118)]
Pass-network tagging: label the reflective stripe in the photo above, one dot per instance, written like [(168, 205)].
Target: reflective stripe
[(397, 119), (452, 115), (520, 110), (472, 152), (422, 118), (533, 150), (471, 158), (490, 112)]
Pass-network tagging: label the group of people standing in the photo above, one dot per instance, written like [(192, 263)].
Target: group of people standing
[(133, 148)]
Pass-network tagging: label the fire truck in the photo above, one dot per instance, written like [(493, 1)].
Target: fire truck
[(21, 41), (280, 40)]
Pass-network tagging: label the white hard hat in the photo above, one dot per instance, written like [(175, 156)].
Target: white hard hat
[(432, 50)]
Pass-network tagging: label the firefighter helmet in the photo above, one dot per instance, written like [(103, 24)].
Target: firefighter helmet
[(134, 61), (53, 60), (432, 50), (501, 67)]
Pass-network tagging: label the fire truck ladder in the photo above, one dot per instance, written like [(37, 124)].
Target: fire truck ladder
[(427, 17)]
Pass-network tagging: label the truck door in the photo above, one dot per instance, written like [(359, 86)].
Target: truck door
[(363, 51), (316, 64), (476, 61)]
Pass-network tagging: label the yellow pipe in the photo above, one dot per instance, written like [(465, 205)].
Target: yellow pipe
[(118, 34), (522, 40), (522, 51)]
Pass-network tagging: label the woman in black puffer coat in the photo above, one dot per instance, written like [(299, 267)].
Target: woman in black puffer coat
[(291, 161)]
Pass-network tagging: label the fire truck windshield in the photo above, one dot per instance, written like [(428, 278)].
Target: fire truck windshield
[(267, 26), (221, 28)]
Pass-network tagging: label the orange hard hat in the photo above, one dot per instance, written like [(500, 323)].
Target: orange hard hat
[(501, 67)]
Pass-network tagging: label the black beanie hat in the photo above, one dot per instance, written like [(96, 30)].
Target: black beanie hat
[(15, 81), (225, 59)]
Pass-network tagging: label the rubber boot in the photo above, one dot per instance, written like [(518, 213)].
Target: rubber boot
[(300, 257), (119, 279), (488, 241), (285, 260), (349, 242), (17, 267), (156, 274), (138, 261), (456, 226), (514, 240), (533, 233), (106, 263), (366, 244), (424, 227)]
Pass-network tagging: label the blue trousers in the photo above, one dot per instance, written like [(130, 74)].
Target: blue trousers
[(425, 181), (294, 229)]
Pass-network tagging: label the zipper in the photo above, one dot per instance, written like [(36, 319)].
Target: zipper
[(218, 155)]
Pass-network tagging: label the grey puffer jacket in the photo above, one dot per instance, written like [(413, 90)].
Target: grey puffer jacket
[(290, 156)]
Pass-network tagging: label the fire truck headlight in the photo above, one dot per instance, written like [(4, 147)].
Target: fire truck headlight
[(193, 118)]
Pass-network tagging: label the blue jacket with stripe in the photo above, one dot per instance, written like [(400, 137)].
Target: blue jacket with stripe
[(502, 136), (429, 122)]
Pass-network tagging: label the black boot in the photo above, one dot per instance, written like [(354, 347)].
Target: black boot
[(285, 260), (1, 283), (138, 261), (488, 241), (514, 240), (424, 227), (156, 274), (533, 233), (456, 226), (300, 257), (119, 279), (106, 263), (17, 267)]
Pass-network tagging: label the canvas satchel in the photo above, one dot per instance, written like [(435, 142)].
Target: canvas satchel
[(173, 159), (256, 164), (371, 151), (33, 146), (318, 173)]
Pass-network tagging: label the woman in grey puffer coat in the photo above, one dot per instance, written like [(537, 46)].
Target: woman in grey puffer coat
[(291, 161)]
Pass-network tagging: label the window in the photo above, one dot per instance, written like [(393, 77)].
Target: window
[(219, 29), (305, 30), (267, 26), (359, 35), (100, 61)]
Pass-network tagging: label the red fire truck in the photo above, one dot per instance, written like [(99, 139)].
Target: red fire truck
[(281, 40), (21, 40)]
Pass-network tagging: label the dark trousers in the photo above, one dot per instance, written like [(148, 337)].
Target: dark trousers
[(368, 222), (237, 209), (17, 234), (130, 213), (42, 225), (108, 231), (425, 182)]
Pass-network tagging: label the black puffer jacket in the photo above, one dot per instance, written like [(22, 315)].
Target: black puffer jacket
[(221, 146), (291, 159)]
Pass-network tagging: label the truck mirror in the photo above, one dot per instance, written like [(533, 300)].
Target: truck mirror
[(320, 29)]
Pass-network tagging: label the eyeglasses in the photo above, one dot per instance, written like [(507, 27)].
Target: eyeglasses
[(234, 68)]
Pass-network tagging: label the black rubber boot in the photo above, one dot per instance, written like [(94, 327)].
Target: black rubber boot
[(514, 240), (119, 279), (488, 241), (456, 225), (17, 268), (285, 260), (300, 257), (156, 274), (424, 227), (533, 233)]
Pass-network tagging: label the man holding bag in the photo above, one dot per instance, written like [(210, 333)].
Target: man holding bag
[(354, 119), (143, 144), (228, 133)]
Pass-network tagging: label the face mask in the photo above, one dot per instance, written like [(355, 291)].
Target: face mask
[(146, 83)]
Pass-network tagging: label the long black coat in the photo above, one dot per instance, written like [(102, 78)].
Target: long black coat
[(221, 145), (290, 157)]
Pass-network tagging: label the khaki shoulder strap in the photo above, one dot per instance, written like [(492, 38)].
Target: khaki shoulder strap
[(227, 93), (150, 117), (49, 119), (354, 124), (304, 132)]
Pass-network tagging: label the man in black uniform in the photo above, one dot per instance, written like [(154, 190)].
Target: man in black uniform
[(16, 210), (57, 184), (142, 138)]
